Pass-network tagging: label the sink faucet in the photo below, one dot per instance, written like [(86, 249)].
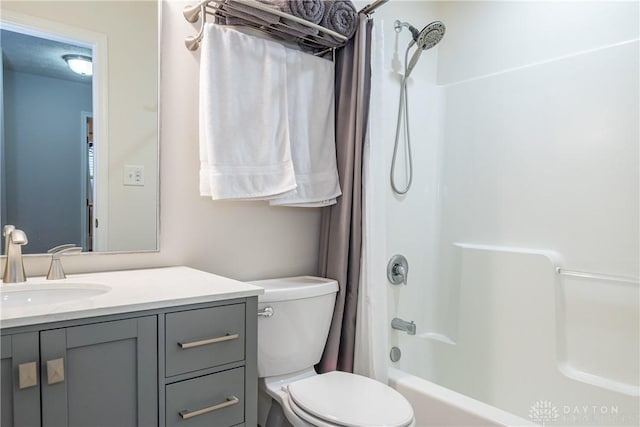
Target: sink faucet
[(55, 270), (403, 325), (14, 239)]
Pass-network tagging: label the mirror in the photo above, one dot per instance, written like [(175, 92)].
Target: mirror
[(79, 153)]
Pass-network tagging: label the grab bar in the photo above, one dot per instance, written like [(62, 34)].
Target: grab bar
[(597, 276)]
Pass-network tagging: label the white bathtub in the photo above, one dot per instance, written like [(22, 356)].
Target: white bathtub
[(542, 346), (435, 405)]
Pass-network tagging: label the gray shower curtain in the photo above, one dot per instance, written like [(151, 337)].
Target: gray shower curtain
[(341, 229)]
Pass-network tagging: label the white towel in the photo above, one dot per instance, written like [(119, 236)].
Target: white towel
[(312, 131), (244, 134)]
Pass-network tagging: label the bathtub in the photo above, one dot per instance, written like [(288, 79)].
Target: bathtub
[(434, 405), (552, 347)]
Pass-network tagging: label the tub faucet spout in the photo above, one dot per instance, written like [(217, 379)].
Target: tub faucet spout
[(403, 325), (14, 268)]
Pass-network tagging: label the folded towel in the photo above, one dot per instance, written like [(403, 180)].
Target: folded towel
[(243, 13), (309, 10), (312, 131), (244, 134), (340, 16)]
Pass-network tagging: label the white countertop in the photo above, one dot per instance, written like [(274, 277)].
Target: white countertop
[(122, 292)]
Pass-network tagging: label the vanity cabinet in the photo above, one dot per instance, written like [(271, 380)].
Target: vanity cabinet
[(97, 374), (192, 365), (20, 400)]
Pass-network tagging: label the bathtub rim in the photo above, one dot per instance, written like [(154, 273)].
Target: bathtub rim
[(485, 413)]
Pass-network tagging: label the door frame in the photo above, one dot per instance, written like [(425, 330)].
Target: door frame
[(97, 42)]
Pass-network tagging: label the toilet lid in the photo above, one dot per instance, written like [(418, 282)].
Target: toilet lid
[(351, 400)]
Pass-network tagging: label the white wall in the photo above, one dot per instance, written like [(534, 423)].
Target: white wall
[(239, 240)]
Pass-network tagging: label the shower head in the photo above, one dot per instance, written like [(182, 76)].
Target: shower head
[(430, 35), (425, 39)]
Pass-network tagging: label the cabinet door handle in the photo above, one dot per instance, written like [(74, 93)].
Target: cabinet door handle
[(231, 400), (27, 375), (227, 337), (55, 371)]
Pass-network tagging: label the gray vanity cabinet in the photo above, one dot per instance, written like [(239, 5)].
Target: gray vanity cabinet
[(192, 365), (19, 393), (102, 374)]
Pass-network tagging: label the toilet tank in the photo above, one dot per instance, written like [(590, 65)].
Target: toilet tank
[(293, 338)]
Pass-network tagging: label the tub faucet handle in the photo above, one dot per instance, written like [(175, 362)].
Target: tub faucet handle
[(398, 270)]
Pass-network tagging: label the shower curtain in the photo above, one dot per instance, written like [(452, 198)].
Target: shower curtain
[(372, 327), (341, 229)]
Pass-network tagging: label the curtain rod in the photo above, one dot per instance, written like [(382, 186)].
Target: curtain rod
[(370, 8)]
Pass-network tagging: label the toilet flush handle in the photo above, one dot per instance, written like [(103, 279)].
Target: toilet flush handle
[(266, 312)]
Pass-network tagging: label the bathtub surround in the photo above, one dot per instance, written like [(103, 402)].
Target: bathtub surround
[(526, 130), (341, 233)]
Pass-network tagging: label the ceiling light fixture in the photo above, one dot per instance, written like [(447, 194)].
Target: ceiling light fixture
[(79, 64)]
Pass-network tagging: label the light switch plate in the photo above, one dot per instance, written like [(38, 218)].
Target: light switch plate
[(134, 175)]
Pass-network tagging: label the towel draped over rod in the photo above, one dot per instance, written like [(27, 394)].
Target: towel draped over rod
[(286, 28)]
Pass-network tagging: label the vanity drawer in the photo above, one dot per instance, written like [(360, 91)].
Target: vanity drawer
[(212, 400), (204, 338)]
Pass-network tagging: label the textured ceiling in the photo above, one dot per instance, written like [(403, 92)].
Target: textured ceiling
[(35, 55)]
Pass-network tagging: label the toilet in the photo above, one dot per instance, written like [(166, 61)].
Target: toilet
[(294, 315)]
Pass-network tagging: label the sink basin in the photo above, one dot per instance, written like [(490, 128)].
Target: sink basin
[(32, 294)]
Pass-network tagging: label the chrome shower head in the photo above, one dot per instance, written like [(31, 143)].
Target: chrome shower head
[(425, 39), (430, 35)]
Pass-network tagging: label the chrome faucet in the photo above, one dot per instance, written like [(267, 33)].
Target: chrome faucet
[(403, 325), (14, 239), (55, 269)]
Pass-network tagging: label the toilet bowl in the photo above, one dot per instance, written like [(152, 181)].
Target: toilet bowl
[(293, 324)]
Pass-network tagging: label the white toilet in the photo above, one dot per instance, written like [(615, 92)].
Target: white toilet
[(293, 324)]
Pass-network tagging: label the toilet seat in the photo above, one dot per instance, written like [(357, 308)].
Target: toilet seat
[(343, 399), (313, 421)]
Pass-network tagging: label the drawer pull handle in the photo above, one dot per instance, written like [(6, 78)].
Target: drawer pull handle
[(231, 400), (228, 337)]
